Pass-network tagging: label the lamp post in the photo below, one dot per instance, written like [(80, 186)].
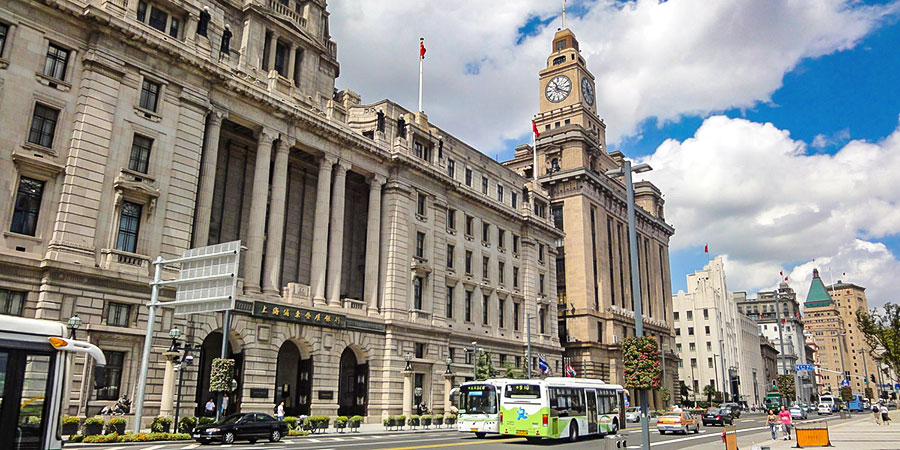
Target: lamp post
[(408, 358), (449, 361), (664, 347), (626, 171), (73, 324), (474, 360)]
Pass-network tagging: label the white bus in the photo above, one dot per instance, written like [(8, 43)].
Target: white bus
[(479, 407), (33, 359), (560, 408)]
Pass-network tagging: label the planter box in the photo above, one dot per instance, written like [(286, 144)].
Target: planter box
[(115, 428), (70, 429), (92, 429)]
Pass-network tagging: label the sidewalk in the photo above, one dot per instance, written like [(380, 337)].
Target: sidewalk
[(859, 432)]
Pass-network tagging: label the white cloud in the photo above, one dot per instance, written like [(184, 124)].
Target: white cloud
[(651, 59), (759, 197)]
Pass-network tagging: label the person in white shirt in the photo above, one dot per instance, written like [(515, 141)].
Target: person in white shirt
[(885, 418), (210, 408), (279, 411)]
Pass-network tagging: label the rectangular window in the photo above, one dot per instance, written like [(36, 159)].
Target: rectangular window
[(485, 304), (470, 224), (500, 269), (12, 303), (707, 330), (468, 306), (142, 12), (27, 206), (708, 346), (281, 56), (485, 232), (484, 185), (468, 177), (709, 362), (676, 315), (118, 315), (516, 308), (451, 254), (542, 322), (112, 377), (514, 200), (451, 168), (500, 193), (140, 153), (501, 306), (515, 244), (420, 350), (420, 244), (174, 27), (43, 125), (678, 348), (451, 219), (557, 213), (541, 283), (705, 314), (4, 31), (515, 277), (158, 19), (56, 62), (469, 262), (449, 306), (485, 262), (501, 238), (678, 332), (694, 362), (129, 227), (541, 253), (690, 315), (149, 95), (692, 346), (417, 292), (690, 331)]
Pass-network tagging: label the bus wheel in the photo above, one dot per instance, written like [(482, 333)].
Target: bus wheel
[(573, 432), (480, 435)]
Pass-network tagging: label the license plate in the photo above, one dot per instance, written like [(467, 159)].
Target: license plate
[(196, 435), (474, 429), (522, 432)]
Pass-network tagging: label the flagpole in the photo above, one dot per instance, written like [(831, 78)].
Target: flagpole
[(534, 154), (421, 64)]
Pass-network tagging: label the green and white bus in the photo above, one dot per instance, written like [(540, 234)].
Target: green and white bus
[(479, 407), (560, 408)]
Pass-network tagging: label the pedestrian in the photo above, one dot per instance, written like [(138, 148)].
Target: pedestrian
[(786, 422), (279, 411), (224, 406), (876, 411), (772, 422), (885, 418), (210, 408)]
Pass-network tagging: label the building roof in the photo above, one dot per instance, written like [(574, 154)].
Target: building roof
[(818, 295), (842, 285)]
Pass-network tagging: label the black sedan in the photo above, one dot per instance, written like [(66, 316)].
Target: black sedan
[(249, 426), (717, 416)]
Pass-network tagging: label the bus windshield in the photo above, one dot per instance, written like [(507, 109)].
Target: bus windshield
[(524, 391), (478, 399)]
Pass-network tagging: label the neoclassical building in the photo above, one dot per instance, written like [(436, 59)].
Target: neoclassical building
[(134, 129)]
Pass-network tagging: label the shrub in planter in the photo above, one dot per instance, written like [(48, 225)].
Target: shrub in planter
[(187, 424), (221, 373), (161, 424), (340, 423), (437, 420), (70, 425), (413, 420), (354, 422), (101, 439), (92, 426), (449, 419), (316, 423), (116, 425), (426, 420), (389, 422), (76, 438), (400, 421), (641, 361), (291, 422), (298, 433)]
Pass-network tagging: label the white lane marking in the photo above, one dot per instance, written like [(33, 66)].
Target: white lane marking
[(189, 447), (748, 420)]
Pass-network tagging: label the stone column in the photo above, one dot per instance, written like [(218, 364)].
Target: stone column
[(320, 231), (407, 393), (273, 45), (207, 183), (168, 390), (373, 244), (275, 234), (448, 386), (336, 233), (291, 62), (258, 200)]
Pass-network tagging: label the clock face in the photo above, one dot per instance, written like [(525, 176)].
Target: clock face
[(587, 91), (558, 88)]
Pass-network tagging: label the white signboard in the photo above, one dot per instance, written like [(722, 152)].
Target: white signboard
[(207, 281)]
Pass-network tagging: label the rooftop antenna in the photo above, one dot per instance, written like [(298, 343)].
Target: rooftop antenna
[(564, 15)]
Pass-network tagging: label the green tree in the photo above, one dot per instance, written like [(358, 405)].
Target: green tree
[(785, 385), (665, 396), (484, 367), (709, 391), (509, 371), (870, 394), (882, 331), (846, 394)]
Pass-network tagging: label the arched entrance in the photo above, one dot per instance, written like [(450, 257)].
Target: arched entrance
[(293, 380), (353, 385), (209, 350)]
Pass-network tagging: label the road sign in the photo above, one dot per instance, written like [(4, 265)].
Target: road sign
[(845, 383), (208, 279), (897, 386), (804, 367)]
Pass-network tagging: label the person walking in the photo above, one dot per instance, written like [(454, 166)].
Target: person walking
[(772, 422), (210, 408), (885, 418), (279, 412), (786, 422), (224, 406), (876, 411)]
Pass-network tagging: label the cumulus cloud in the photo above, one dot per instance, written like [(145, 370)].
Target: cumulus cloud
[(651, 59), (765, 201)]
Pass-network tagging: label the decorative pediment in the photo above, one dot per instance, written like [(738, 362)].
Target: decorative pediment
[(136, 187)]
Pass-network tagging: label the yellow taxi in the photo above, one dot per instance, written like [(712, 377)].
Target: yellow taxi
[(674, 421)]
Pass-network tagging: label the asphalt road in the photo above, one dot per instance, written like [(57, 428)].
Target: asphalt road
[(749, 426)]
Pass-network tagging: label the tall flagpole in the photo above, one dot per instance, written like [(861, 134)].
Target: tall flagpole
[(421, 64), (534, 153)]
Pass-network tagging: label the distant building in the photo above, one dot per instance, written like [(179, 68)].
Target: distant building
[(770, 363), (750, 379)]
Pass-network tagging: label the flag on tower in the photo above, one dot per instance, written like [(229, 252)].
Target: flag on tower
[(570, 371), (706, 248), (534, 129), (542, 365), (422, 48)]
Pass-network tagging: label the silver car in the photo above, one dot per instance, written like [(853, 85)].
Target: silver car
[(798, 413)]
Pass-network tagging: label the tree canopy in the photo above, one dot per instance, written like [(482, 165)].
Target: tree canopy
[(882, 332)]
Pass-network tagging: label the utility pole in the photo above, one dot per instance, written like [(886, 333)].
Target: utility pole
[(474, 360), (780, 326), (664, 345)]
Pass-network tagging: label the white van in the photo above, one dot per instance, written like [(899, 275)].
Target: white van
[(831, 401)]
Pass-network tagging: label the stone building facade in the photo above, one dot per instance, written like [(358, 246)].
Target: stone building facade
[(141, 128), (593, 262)]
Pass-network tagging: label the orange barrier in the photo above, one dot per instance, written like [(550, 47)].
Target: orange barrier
[(813, 435), (729, 436)]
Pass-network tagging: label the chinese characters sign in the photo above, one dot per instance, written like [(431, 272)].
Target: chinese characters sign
[(298, 315)]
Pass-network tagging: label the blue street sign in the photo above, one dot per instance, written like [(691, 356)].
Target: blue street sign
[(845, 383), (897, 386), (885, 386), (804, 367)]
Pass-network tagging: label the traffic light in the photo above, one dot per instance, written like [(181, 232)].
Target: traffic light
[(773, 385), (872, 377)]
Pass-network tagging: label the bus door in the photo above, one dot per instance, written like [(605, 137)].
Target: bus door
[(591, 410), (25, 377)]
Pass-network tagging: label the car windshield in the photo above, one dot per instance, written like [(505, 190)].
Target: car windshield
[(631, 410), (712, 411), (230, 419)]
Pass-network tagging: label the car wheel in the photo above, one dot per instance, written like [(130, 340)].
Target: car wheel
[(480, 435), (662, 431), (228, 438), (275, 436), (573, 432)]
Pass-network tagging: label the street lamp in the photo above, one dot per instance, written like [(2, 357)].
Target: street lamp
[(408, 358), (73, 324), (449, 361), (174, 333), (474, 360), (626, 171)]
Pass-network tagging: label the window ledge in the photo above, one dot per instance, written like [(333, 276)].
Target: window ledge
[(515, 255), (4, 63), (421, 217), (147, 114), (470, 238), (501, 249), (486, 244), (451, 231), (39, 148), (55, 83), (25, 237)]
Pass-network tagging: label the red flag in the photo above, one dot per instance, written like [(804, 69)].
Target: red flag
[(534, 129), (706, 248), (422, 48)]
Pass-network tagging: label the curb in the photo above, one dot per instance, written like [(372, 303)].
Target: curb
[(287, 439)]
